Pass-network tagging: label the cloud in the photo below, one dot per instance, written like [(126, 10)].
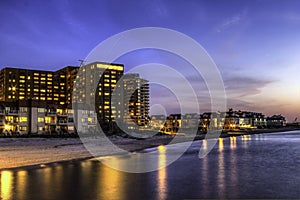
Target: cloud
[(231, 21), (245, 86)]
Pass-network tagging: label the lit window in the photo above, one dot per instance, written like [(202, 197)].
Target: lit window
[(23, 119), (106, 85), (41, 110), (42, 98), (23, 128), (22, 77)]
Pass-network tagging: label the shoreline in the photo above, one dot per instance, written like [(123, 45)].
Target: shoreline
[(32, 153)]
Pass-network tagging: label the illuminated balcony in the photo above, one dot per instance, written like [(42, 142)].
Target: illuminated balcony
[(50, 122), (62, 114)]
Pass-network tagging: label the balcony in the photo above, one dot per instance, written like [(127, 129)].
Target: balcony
[(51, 113), (2, 112), (52, 122), (62, 122), (2, 122), (62, 114), (12, 112)]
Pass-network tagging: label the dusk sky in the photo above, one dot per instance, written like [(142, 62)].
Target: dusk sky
[(255, 44)]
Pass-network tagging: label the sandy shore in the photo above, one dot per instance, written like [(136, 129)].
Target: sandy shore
[(24, 152)]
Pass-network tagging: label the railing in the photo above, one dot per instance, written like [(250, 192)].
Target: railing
[(62, 122), (51, 113), (50, 122), (62, 114), (12, 112)]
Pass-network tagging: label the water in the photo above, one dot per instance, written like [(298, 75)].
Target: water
[(257, 166)]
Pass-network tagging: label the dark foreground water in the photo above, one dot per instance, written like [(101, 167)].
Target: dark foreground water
[(257, 166)]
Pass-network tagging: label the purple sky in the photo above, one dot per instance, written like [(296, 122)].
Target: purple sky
[(255, 44)]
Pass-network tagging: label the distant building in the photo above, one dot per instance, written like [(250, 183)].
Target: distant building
[(276, 121), (190, 121), (172, 124), (157, 122), (233, 120)]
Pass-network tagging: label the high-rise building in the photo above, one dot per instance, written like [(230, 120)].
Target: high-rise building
[(25, 84), (95, 83), (63, 81), (21, 84), (134, 108)]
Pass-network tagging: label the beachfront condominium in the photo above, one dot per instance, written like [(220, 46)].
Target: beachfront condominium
[(26, 84), (85, 93), (94, 85), (133, 104)]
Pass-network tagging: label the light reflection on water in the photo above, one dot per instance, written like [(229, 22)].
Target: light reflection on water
[(6, 185), (221, 169), (162, 173), (236, 168)]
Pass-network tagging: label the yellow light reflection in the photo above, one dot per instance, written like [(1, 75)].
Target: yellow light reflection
[(221, 170), (204, 144), (162, 172), (221, 144), (246, 137), (6, 185), (21, 184), (111, 182), (232, 142)]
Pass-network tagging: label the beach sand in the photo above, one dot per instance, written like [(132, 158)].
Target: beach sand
[(23, 152)]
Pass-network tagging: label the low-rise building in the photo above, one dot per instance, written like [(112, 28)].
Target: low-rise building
[(276, 121)]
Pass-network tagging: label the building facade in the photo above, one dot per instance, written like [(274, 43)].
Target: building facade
[(26, 84)]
